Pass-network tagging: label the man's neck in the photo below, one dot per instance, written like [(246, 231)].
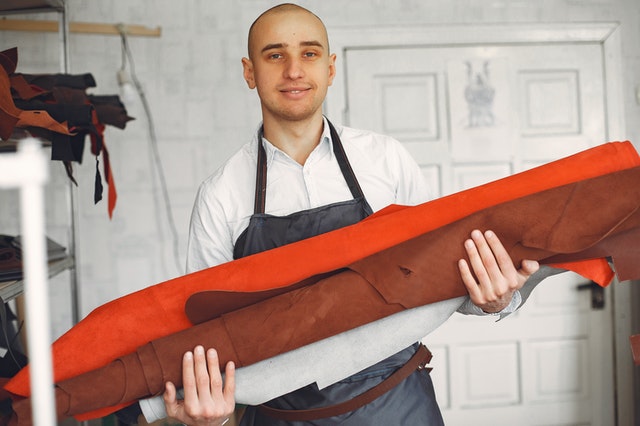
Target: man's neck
[(295, 138)]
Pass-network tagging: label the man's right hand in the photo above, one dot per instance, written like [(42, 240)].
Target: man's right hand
[(207, 400)]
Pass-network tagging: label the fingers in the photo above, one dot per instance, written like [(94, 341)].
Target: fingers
[(482, 271), (230, 384), (469, 279), (208, 400), (204, 371), (490, 276), (214, 384), (208, 377), (189, 378), (219, 389), (490, 260)]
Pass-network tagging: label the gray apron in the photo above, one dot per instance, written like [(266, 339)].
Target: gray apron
[(412, 402)]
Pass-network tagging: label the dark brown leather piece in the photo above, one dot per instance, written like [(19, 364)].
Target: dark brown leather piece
[(207, 305)]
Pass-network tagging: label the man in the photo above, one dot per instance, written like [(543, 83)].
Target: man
[(318, 178)]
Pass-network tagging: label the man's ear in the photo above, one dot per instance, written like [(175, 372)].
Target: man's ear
[(332, 68), (247, 71)]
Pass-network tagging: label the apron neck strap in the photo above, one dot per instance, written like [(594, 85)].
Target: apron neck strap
[(338, 151), (344, 164), (260, 197)]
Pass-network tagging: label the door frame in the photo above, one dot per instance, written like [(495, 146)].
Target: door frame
[(606, 34)]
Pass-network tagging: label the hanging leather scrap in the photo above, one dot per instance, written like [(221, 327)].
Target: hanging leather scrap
[(10, 115), (56, 107)]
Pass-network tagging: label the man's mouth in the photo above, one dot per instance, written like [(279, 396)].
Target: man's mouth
[(294, 91)]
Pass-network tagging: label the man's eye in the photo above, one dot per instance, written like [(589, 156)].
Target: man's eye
[(310, 54), (275, 56)]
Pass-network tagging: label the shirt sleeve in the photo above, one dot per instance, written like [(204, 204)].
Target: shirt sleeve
[(210, 241), (412, 186), (469, 308)]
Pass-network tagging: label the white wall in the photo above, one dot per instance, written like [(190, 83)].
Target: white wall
[(203, 111)]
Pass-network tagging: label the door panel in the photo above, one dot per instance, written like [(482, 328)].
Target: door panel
[(471, 114)]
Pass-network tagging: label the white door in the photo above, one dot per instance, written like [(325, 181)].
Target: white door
[(470, 114)]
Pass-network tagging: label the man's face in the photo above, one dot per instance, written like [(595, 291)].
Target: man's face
[(289, 64)]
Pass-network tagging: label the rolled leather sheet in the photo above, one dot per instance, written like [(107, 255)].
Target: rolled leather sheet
[(417, 272), (104, 335)]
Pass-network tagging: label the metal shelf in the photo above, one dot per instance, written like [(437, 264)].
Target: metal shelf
[(31, 6), (9, 290), (38, 337)]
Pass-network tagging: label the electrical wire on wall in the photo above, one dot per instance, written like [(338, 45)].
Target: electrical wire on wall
[(129, 92)]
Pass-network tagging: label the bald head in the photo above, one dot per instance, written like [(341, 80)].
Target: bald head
[(271, 16)]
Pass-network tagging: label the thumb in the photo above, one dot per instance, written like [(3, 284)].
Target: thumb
[(528, 267), (169, 395)]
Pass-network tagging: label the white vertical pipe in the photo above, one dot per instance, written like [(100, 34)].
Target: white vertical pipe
[(35, 287)]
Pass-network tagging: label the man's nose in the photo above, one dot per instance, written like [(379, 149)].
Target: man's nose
[(294, 68)]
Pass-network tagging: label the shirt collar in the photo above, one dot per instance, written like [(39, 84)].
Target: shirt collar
[(271, 150), (326, 136)]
